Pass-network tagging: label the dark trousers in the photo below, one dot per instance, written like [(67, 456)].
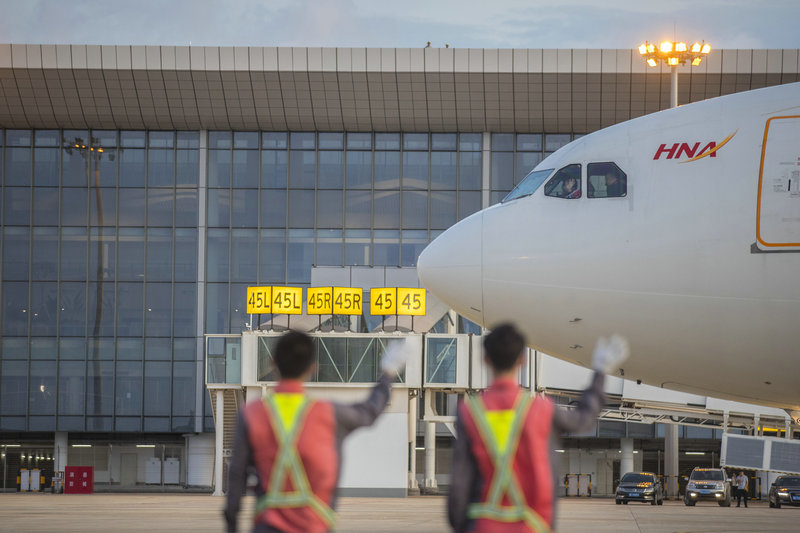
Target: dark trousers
[(741, 494)]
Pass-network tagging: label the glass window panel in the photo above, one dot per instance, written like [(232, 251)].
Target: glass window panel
[(413, 243), (415, 170), (359, 170), (44, 308), (300, 255), (441, 360), (158, 349), (46, 138), (45, 167), (526, 161), (387, 141), (273, 139), (358, 209), (185, 254), (78, 201), (104, 138), (183, 389), (15, 347), (272, 256), (386, 209), (130, 349), (529, 142), (14, 388), (160, 207), (443, 141), (45, 207), (128, 424), (130, 247), (108, 203), (503, 142), (502, 170), (329, 209), (415, 209), (301, 209), (128, 399), (244, 255), (387, 170), (102, 349), (15, 309), (187, 167), (188, 139), (470, 142), (357, 247), (72, 302), (185, 309), (72, 349), (444, 170), (219, 208), (159, 254), (130, 306), (329, 248), (245, 169), (359, 141), (302, 140), (184, 349), (18, 166), (331, 170), (273, 208), (161, 139), (332, 360), (219, 139), (468, 202), (17, 206), (18, 137), (219, 168), (16, 253), (218, 255), (386, 248), (131, 207), (157, 388), (74, 254), (100, 387), (71, 387), (470, 167), (244, 210), (331, 141), (131, 139), (606, 180), (106, 167), (43, 388), (302, 169), (186, 208), (45, 348), (415, 141), (131, 167), (240, 320), (217, 308), (245, 139), (443, 209), (274, 169), (160, 168), (554, 141), (158, 309)]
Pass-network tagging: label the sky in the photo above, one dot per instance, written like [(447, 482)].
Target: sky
[(404, 23)]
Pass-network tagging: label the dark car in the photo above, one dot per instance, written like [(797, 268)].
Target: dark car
[(785, 491), (708, 484), (640, 487)]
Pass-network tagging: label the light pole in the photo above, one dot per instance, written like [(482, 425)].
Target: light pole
[(674, 54)]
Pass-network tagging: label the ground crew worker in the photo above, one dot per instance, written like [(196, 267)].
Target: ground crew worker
[(503, 479), (293, 444)]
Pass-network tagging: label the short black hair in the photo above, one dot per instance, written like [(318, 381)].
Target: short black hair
[(294, 354), (503, 347)]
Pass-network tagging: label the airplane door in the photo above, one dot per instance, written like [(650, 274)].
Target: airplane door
[(778, 220)]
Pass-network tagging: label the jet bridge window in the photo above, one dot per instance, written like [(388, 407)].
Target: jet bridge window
[(566, 183), (606, 180)]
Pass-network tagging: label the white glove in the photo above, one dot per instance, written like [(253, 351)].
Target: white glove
[(395, 357), (610, 353)]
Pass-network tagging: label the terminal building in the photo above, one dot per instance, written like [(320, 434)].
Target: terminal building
[(145, 188)]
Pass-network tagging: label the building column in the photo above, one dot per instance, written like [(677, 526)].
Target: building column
[(671, 459), (430, 457), (60, 450), (412, 441), (218, 477), (626, 462)]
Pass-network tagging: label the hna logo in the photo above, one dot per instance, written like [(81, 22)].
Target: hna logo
[(692, 151)]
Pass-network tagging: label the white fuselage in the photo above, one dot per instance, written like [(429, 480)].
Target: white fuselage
[(705, 285)]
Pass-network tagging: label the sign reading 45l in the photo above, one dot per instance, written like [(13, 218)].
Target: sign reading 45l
[(259, 300)]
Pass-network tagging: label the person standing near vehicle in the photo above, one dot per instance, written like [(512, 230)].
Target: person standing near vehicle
[(294, 444), (741, 482), (503, 477)]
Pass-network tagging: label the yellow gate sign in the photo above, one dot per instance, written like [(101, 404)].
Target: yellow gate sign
[(259, 300), (410, 301), (287, 300), (347, 301), (383, 301), (319, 300)]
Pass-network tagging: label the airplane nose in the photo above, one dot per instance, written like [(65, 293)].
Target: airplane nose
[(451, 267)]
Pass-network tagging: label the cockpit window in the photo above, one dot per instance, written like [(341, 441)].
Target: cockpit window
[(606, 180), (529, 184), (566, 183)]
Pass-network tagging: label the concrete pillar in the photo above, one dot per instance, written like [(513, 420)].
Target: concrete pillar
[(626, 462), (671, 459), (60, 451), (430, 457), (412, 443), (218, 476)]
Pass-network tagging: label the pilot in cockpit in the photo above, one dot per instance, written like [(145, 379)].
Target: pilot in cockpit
[(570, 188)]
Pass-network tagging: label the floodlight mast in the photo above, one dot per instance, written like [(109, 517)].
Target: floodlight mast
[(674, 54)]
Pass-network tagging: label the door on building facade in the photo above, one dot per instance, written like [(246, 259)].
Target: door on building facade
[(127, 469)]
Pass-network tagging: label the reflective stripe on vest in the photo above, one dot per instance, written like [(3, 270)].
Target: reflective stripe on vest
[(500, 433), (287, 414)]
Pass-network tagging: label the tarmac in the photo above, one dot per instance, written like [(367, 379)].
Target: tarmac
[(153, 513)]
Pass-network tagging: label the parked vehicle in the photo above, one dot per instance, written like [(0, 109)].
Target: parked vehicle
[(785, 491), (640, 487), (708, 484)]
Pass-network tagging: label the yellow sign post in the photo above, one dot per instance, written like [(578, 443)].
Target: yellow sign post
[(410, 301), (383, 301), (319, 300), (259, 300), (287, 300), (347, 301)]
